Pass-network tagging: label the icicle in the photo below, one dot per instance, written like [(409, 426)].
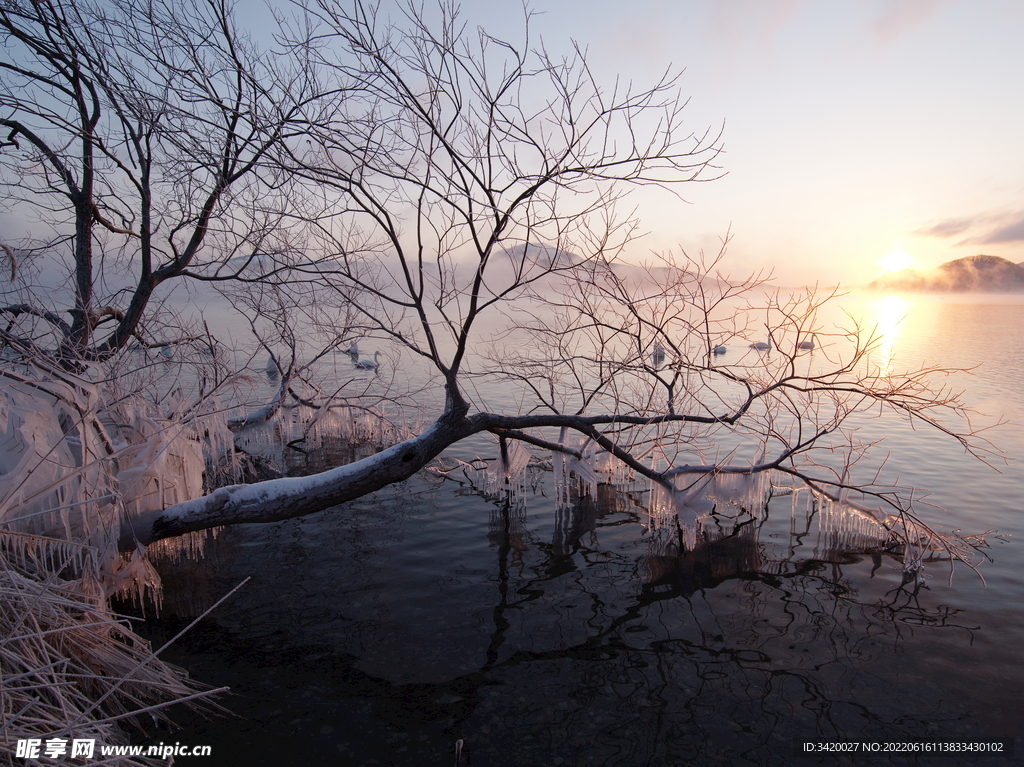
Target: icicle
[(845, 525), (135, 578), (917, 542), (580, 476), (188, 546), (744, 491), (507, 478), (585, 474)]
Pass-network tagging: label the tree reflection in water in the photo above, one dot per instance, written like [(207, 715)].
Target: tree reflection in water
[(586, 643)]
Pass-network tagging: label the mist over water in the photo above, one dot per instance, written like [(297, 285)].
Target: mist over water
[(383, 631)]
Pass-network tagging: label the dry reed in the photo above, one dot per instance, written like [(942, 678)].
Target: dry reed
[(69, 667)]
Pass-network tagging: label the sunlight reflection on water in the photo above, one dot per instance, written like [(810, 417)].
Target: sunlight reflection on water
[(889, 316)]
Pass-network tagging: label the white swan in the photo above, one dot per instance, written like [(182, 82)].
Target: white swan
[(761, 346), (719, 350), (806, 344), (369, 364), (353, 351)]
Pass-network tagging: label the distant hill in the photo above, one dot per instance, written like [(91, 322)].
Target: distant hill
[(973, 274), (547, 256)]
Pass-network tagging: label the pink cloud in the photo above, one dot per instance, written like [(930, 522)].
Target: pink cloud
[(1010, 232), (981, 229), (948, 227)]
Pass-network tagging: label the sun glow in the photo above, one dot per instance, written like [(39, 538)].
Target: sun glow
[(895, 260)]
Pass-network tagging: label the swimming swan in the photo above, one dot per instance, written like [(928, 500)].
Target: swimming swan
[(369, 364)]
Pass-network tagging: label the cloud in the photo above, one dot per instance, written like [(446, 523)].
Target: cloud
[(982, 229), (1011, 232), (947, 227), (901, 16)]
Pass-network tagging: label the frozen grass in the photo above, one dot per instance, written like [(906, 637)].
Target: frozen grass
[(69, 667)]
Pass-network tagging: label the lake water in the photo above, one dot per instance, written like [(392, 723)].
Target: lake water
[(383, 631)]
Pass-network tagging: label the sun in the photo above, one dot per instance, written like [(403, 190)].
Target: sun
[(895, 260)]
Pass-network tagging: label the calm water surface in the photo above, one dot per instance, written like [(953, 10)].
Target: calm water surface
[(381, 632)]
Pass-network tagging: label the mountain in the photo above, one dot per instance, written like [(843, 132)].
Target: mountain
[(546, 256), (973, 274)]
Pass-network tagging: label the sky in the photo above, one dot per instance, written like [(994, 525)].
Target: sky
[(860, 135)]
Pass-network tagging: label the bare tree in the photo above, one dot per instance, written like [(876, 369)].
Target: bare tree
[(134, 133), (425, 177)]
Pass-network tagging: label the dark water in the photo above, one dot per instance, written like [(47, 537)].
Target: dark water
[(383, 631)]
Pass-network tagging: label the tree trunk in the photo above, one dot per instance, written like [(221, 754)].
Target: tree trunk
[(289, 497)]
